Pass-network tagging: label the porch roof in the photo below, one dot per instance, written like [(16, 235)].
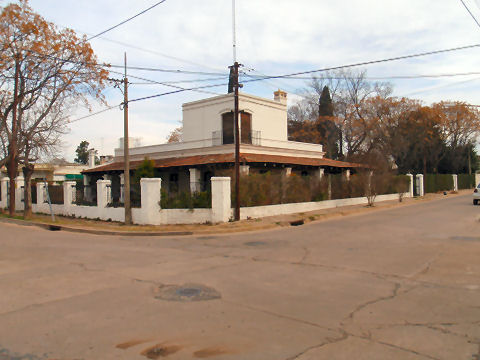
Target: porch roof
[(228, 158)]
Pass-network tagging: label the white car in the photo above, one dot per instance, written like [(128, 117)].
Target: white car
[(476, 195)]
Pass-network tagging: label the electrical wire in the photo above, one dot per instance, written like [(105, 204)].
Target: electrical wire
[(95, 113), (367, 63), (151, 82), (473, 17), (285, 76), (164, 84), (176, 91), (127, 20), (393, 77)]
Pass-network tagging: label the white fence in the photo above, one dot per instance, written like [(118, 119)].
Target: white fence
[(150, 212)]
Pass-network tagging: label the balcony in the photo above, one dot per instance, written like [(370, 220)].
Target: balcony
[(253, 137)]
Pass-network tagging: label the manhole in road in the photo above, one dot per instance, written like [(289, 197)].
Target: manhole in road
[(186, 293), (465, 238)]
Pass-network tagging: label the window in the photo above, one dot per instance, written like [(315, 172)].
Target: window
[(246, 128), (227, 128)]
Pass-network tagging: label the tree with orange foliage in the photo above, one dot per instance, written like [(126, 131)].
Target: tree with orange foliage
[(43, 72), (175, 135)]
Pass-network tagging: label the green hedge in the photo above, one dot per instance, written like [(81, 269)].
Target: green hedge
[(438, 182), (185, 200), (466, 181)]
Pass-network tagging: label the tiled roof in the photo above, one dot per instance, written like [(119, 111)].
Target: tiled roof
[(228, 158)]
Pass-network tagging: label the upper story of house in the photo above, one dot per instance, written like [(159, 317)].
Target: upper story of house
[(208, 128), (259, 119)]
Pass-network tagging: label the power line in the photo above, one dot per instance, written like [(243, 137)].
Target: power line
[(473, 17), (155, 52), (127, 20), (93, 114), (165, 84), (177, 91), (395, 77), (367, 62), (285, 76), (151, 82)]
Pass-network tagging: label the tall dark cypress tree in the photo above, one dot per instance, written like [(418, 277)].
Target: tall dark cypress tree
[(326, 125), (325, 108)]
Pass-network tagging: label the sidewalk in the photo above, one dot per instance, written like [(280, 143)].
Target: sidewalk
[(272, 222)]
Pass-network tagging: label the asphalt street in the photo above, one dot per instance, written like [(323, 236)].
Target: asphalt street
[(399, 283)]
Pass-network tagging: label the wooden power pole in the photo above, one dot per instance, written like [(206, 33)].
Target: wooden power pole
[(126, 155), (236, 85)]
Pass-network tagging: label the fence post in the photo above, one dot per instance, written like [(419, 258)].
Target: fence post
[(4, 191), (410, 186), (420, 187), (455, 182), (68, 193), (19, 194), (102, 193), (150, 198), (221, 199), (40, 193)]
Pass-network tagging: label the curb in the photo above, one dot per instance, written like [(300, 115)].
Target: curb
[(53, 227)]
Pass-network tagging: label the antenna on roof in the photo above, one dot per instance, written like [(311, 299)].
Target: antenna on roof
[(234, 33)]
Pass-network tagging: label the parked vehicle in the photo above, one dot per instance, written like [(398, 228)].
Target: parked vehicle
[(476, 195)]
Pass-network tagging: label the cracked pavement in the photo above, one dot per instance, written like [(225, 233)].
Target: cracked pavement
[(400, 283)]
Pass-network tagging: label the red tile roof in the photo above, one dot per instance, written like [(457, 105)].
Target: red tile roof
[(228, 158)]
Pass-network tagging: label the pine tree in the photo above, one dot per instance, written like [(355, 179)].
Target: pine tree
[(326, 124)]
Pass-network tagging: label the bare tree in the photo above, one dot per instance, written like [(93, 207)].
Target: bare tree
[(40, 68)]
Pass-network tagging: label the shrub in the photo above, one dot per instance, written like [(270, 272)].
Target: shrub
[(466, 181), (438, 182), (185, 200)]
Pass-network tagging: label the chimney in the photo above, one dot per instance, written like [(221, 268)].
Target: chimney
[(280, 96), (91, 158)]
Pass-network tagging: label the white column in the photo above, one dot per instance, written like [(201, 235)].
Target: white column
[(41, 193), (19, 193), (195, 176), (477, 178), (221, 199), (287, 171), (122, 188), (68, 189), (102, 193), (410, 186), (4, 189), (150, 192), (319, 173), (346, 174), (420, 188), (87, 187), (455, 182), (244, 169)]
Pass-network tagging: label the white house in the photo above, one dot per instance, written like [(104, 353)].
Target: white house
[(207, 146)]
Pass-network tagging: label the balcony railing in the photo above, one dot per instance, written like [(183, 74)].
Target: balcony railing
[(254, 138)]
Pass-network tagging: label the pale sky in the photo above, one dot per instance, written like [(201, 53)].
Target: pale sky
[(273, 37)]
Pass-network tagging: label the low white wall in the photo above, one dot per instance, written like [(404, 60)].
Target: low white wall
[(185, 216), (151, 214), (284, 209)]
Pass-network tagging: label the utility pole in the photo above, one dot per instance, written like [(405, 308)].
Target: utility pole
[(126, 155), (236, 85), (12, 151)]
